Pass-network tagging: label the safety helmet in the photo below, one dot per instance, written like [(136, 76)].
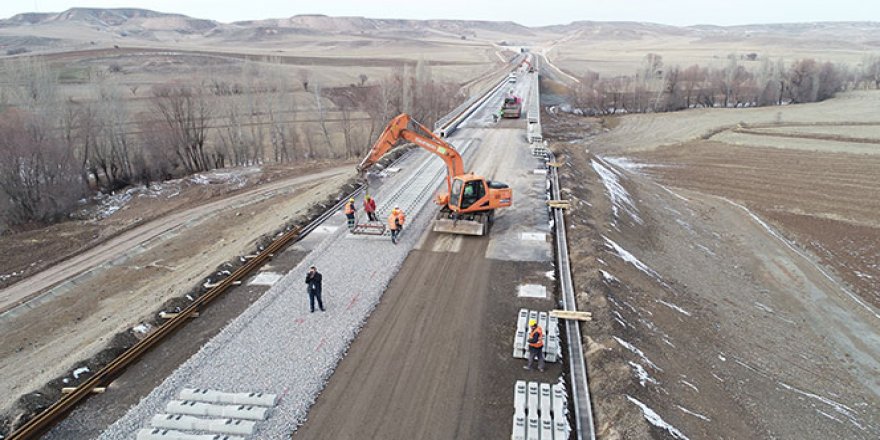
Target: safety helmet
[(532, 323), (351, 200)]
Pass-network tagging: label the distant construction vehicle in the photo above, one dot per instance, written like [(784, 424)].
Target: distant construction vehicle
[(512, 107), (468, 206)]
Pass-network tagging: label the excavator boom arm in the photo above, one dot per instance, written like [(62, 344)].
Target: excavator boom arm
[(398, 129)]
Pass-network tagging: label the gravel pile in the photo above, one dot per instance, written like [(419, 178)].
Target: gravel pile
[(277, 346)]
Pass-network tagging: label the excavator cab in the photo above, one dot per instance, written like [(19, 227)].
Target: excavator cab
[(470, 206), (466, 193)]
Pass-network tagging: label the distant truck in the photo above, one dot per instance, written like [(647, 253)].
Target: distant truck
[(511, 78), (512, 107)]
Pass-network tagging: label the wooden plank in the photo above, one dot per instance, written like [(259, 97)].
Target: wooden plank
[(568, 314), (554, 164), (96, 390)]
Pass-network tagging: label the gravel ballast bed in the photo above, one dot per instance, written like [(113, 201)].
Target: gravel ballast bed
[(277, 346)]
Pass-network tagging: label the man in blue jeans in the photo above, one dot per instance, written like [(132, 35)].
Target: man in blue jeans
[(313, 283)]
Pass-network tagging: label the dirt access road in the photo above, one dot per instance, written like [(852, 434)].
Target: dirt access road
[(712, 310), (123, 282)]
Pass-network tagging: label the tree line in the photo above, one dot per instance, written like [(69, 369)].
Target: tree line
[(740, 82), (56, 148)]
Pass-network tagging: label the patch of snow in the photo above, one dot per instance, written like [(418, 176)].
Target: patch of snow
[(717, 378), (699, 416), (705, 249), (141, 328), (674, 307), (721, 357), (627, 163), (675, 194), (763, 307), (620, 198), (828, 415), (65, 380), (10, 275), (550, 274), (79, 372), (608, 277), (637, 352), (629, 258), (655, 419), (846, 411), (642, 374), (688, 384)]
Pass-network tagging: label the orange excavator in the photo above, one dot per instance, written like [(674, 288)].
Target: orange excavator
[(470, 201)]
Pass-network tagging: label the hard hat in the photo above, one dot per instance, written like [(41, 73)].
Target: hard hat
[(532, 323), (351, 199)]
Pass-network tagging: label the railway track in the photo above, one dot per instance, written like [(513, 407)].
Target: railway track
[(429, 171)]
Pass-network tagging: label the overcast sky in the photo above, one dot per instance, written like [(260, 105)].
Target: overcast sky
[(530, 13)]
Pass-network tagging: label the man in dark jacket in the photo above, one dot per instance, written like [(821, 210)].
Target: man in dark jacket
[(313, 286)]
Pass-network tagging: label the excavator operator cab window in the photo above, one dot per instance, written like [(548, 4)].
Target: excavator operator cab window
[(473, 191), (455, 194)]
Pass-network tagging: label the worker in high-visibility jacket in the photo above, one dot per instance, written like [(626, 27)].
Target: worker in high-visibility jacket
[(395, 223), (350, 212), (370, 208), (536, 345)]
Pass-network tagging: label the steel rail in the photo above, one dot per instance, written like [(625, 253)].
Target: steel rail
[(580, 386), (48, 417)]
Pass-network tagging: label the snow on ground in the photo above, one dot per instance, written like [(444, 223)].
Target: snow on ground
[(655, 419), (642, 374), (620, 198), (674, 307), (699, 416), (141, 328), (108, 204), (840, 408), (690, 385), (608, 277), (629, 258), (628, 164), (637, 352), (79, 372)]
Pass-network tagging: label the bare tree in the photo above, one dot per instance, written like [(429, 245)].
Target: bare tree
[(38, 176), (186, 113)]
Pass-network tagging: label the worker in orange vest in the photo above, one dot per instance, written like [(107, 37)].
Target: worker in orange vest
[(370, 208), (350, 211), (536, 345), (395, 223)]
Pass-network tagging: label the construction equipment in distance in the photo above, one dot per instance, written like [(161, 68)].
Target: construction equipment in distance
[(470, 201), (512, 107)]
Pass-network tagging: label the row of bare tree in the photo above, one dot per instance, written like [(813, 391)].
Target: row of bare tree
[(55, 149), (657, 88)]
